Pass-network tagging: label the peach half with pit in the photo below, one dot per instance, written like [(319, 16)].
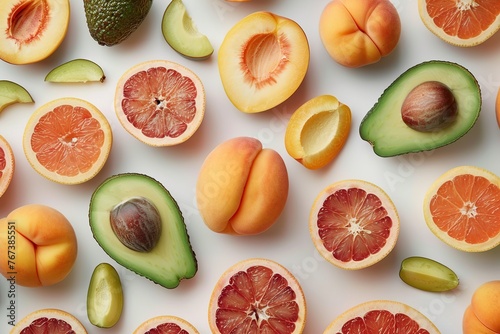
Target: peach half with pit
[(357, 33), (262, 61), (242, 187), (31, 30), (40, 248)]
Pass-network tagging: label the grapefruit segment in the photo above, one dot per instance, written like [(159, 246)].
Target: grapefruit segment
[(353, 224), (67, 140), (462, 23), (257, 296), (7, 165), (381, 316), (53, 321), (462, 208), (160, 103)]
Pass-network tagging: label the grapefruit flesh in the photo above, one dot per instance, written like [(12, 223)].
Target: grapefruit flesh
[(51, 321), (462, 208), (160, 103), (166, 324), (7, 165), (67, 140), (461, 22), (354, 224), (381, 316), (257, 296)]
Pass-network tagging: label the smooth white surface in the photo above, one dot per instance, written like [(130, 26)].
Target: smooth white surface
[(329, 290)]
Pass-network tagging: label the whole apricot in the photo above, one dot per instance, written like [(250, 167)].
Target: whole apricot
[(242, 187), (472, 325), (356, 33), (41, 246), (485, 304)]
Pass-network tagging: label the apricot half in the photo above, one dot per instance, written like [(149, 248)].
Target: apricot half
[(242, 187), (356, 33), (31, 30), (317, 131), (262, 61)]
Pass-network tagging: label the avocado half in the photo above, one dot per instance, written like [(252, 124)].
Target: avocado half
[(172, 259), (384, 128)]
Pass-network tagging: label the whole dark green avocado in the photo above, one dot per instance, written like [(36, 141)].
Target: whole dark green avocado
[(112, 21)]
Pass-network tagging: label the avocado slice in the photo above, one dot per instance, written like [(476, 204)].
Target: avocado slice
[(172, 259), (383, 126)]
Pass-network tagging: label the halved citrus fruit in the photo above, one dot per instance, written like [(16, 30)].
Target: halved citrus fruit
[(462, 23), (7, 165), (257, 296), (159, 102), (462, 208), (381, 316), (67, 140), (53, 321), (354, 224), (166, 324), (317, 131)]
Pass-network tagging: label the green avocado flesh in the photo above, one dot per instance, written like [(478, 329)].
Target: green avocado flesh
[(428, 275), (172, 259), (383, 126)]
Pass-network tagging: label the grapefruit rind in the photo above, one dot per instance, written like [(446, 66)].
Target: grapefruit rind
[(165, 319), (442, 235), (200, 102), (395, 307), (455, 40), (369, 188), (50, 313), (54, 176), (243, 266), (7, 173)]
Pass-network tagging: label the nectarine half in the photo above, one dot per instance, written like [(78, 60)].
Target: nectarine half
[(31, 30), (262, 61)]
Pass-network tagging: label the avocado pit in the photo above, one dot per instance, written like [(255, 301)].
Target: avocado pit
[(429, 106), (136, 223)]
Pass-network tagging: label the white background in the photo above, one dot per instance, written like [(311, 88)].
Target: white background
[(328, 290)]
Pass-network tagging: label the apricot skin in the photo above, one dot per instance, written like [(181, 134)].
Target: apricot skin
[(485, 304), (45, 245), (357, 33), (472, 325), (242, 187)]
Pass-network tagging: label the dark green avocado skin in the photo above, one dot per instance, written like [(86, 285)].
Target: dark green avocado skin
[(110, 22), (383, 128), (172, 259)]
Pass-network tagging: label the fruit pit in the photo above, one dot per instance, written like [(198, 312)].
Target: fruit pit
[(137, 224), (429, 106)]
